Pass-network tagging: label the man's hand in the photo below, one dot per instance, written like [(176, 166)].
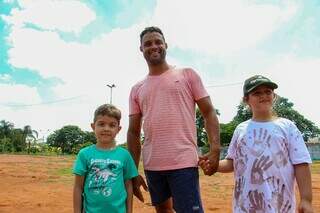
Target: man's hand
[(209, 163), (137, 182)]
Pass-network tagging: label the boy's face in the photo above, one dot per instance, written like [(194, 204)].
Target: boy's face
[(105, 128)]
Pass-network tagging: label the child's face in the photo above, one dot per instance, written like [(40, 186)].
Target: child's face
[(261, 99), (105, 128)]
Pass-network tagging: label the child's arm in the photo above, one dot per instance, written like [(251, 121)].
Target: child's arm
[(77, 193), (129, 189), (225, 166), (303, 177)]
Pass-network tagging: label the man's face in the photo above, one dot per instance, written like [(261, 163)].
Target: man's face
[(154, 48)]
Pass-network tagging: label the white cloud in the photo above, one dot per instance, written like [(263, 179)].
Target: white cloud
[(219, 27), (18, 94), (68, 16), (298, 80)]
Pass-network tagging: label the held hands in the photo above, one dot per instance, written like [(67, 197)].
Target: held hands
[(209, 162), (137, 182)]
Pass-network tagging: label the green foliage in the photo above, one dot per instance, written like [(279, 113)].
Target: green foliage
[(89, 137), (28, 135), (6, 145), (18, 140), (67, 138), (202, 137), (15, 138), (78, 147), (226, 132), (282, 108)]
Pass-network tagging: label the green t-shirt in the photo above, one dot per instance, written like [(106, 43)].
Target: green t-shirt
[(105, 174)]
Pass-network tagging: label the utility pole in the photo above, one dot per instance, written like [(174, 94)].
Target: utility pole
[(111, 86)]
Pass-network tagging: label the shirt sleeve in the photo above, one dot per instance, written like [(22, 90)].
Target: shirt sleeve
[(80, 165), (232, 146), (130, 170), (133, 102), (197, 86), (298, 151)]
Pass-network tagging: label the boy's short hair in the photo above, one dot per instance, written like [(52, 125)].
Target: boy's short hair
[(109, 110), (150, 30)]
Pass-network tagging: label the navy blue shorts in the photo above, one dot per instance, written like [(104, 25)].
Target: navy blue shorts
[(180, 184)]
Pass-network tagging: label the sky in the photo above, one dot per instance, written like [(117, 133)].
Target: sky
[(58, 56)]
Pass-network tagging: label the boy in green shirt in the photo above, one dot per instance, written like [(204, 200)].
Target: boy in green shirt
[(103, 171)]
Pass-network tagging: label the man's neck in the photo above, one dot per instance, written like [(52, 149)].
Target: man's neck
[(158, 69)]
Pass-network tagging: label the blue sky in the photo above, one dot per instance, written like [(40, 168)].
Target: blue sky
[(56, 57)]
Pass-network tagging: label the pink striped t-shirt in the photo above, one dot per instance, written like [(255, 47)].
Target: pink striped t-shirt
[(167, 105)]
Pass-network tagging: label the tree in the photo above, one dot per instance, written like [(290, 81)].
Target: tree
[(28, 135), (6, 128), (66, 138), (89, 137), (226, 132), (18, 143), (202, 138), (284, 108)]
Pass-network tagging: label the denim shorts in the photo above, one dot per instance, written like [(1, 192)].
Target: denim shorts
[(180, 184)]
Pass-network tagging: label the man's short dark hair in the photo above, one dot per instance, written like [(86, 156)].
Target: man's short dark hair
[(150, 30)]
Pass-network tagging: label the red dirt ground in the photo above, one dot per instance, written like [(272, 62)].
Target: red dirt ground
[(43, 184)]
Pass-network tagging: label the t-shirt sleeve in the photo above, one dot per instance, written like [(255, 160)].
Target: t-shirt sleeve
[(298, 151), (232, 146), (133, 102), (130, 170), (197, 86), (80, 165)]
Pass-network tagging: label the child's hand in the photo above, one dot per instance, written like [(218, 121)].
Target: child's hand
[(203, 161), (208, 166), (305, 207)]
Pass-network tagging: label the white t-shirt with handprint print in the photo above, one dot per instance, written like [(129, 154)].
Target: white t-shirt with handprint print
[(263, 156)]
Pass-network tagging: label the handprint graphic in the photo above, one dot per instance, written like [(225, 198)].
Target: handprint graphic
[(278, 197), (259, 166), (241, 158), (280, 158), (238, 190), (257, 202), (260, 141)]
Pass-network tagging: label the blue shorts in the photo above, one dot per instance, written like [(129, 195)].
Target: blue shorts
[(180, 184)]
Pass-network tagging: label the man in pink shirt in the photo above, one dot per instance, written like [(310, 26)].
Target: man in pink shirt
[(164, 104)]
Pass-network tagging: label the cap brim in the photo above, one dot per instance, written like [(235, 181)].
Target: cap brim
[(269, 84)]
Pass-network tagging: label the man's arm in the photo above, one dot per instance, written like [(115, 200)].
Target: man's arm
[(303, 177), (133, 137), (129, 189), (213, 131), (77, 193), (134, 147)]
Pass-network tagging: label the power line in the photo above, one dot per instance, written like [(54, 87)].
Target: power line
[(226, 85), (38, 104)]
